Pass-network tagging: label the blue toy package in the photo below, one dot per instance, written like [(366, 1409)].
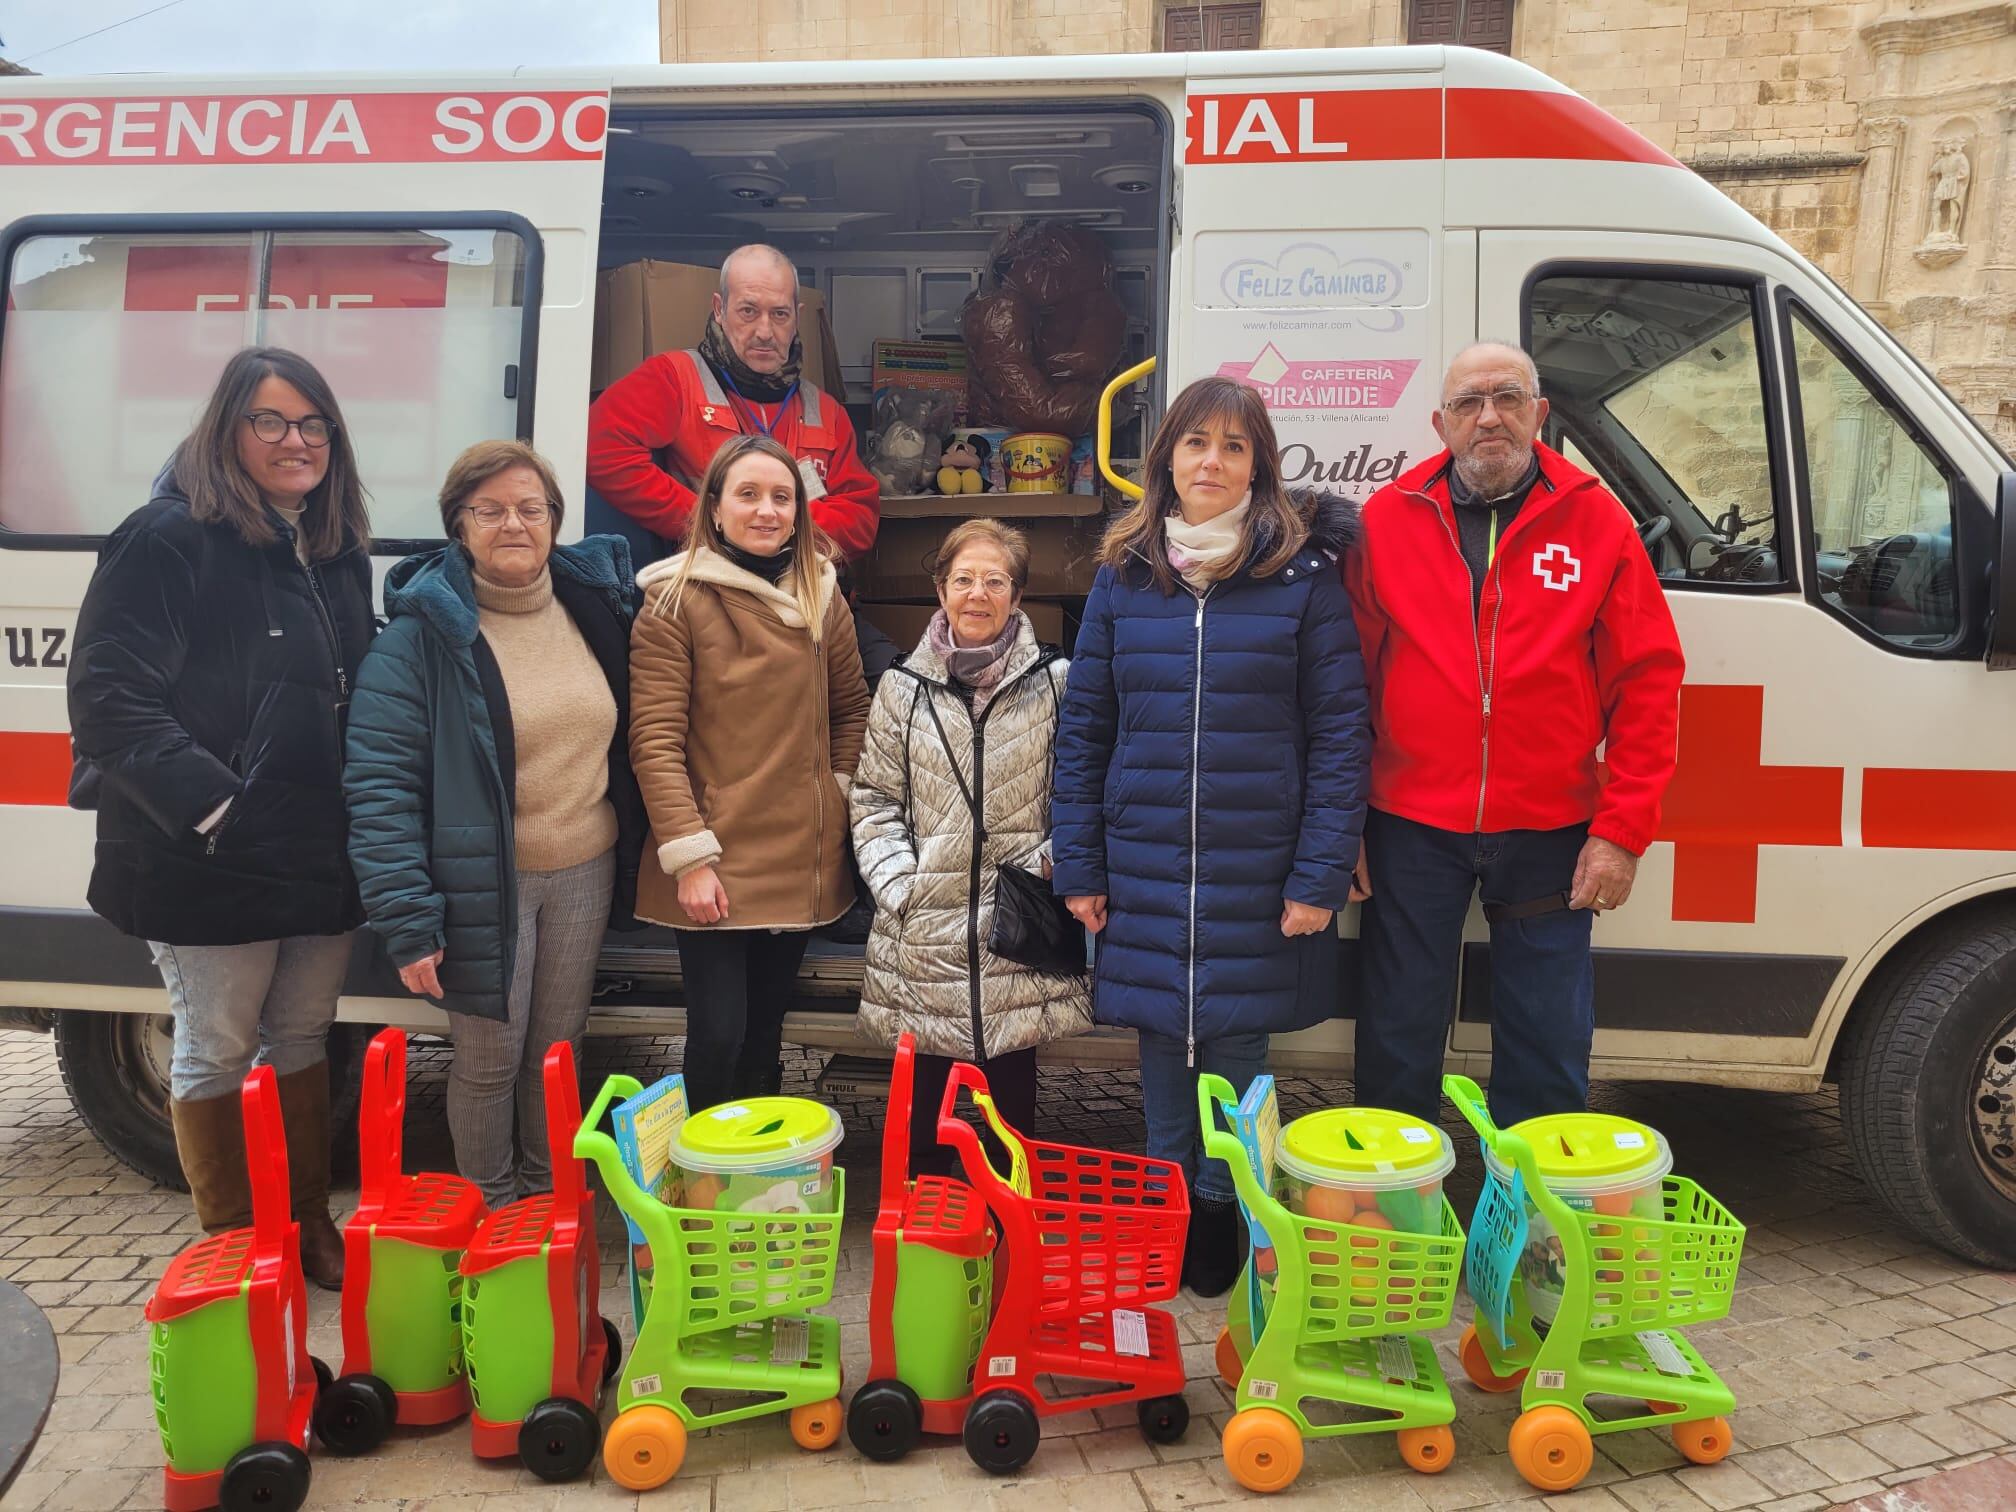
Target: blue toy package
[(644, 1127), (1257, 1123)]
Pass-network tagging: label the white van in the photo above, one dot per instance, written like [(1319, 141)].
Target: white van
[(1830, 898)]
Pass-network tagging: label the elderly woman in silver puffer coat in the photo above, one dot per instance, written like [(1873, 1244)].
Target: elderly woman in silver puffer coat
[(966, 721)]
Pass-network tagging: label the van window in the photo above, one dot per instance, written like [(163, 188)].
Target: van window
[(1656, 386), (1882, 504), (110, 345)]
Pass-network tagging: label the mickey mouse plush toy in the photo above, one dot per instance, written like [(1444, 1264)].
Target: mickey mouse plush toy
[(964, 469)]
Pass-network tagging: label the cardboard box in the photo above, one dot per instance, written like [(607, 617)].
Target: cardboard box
[(937, 365), (644, 308), (905, 623), (1062, 558)]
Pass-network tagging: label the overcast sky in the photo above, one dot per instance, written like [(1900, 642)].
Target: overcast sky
[(237, 36)]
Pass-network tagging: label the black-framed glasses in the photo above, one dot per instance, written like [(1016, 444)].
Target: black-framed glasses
[(271, 427), (1507, 401)]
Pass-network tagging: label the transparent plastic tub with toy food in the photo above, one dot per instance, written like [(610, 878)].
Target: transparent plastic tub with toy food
[(1366, 1167), (1595, 1163), (760, 1155)]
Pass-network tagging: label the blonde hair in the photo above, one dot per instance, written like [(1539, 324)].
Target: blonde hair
[(811, 547), (1012, 543)]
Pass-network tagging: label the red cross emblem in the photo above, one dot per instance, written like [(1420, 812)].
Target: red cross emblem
[(1556, 568)]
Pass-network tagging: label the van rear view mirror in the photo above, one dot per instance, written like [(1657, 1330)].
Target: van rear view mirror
[(2001, 654)]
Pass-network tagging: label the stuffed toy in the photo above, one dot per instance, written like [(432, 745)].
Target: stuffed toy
[(964, 469), (903, 450)]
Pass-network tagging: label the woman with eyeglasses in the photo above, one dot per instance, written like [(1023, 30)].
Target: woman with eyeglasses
[(217, 647), (745, 679), (494, 823), (953, 790)]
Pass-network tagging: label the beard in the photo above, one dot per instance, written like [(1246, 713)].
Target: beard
[(1491, 477)]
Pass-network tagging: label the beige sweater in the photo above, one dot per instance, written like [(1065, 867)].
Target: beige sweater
[(563, 718)]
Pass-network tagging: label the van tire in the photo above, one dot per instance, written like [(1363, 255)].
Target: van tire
[(115, 1068), (1913, 1056)]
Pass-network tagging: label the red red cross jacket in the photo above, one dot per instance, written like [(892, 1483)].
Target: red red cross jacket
[(1492, 721), (672, 406)]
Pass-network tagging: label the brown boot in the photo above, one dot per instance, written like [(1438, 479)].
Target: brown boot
[(210, 1139), (304, 1110)]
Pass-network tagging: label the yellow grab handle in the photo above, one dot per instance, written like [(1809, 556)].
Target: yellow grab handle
[(1138, 371)]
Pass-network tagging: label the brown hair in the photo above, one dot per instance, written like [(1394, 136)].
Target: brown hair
[(1013, 544), (480, 463), (810, 546), (1273, 520), (207, 470)]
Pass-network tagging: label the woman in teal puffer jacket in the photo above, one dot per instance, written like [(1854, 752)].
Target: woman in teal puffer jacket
[(495, 827)]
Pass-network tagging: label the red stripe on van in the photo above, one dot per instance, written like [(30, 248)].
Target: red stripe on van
[(1911, 809), (1531, 123), (34, 768)]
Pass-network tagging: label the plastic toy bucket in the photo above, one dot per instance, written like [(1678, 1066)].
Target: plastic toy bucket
[(1595, 1163), (1365, 1166), (1037, 462), (762, 1155)]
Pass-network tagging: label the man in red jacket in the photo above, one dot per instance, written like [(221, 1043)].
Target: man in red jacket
[(743, 379), (1511, 624)]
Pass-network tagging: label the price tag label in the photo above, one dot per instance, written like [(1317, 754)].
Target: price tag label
[(1267, 1391), (790, 1342), (649, 1385), (1551, 1380), (1415, 1134), (1130, 1332), (1629, 1139), (1662, 1352), (1396, 1360), (1001, 1365)]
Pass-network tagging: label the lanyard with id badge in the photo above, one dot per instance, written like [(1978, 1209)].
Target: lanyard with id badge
[(815, 486)]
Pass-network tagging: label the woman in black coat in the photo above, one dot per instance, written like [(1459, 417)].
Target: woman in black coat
[(216, 650)]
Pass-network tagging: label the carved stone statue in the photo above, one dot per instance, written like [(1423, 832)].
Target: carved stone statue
[(1950, 173)]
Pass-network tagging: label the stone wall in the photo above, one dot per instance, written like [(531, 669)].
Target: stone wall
[(1878, 138)]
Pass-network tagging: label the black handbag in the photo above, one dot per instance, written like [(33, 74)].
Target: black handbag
[(1032, 927)]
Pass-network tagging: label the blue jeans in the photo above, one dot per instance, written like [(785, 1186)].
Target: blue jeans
[(1169, 1100), (1543, 1002), (271, 1001)]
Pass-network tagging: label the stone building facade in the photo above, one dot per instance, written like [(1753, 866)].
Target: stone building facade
[(1879, 137)]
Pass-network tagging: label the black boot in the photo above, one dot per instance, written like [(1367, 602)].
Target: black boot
[(1214, 1251)]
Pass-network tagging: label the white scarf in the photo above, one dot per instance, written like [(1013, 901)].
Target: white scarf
[(1203, 554)]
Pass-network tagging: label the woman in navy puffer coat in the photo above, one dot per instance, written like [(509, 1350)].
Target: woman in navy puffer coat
[(1212, 760)]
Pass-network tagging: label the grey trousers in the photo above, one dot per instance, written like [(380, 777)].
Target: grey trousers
[(270, 1002), (497, 1067)]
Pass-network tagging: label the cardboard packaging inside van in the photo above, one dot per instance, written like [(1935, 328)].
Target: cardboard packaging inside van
[(644, 308)]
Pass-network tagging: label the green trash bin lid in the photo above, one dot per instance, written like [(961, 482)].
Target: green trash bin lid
[(1365, 1147), (757, 1134)]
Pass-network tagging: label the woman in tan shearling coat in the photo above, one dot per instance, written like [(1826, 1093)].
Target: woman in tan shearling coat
[(747, 713)]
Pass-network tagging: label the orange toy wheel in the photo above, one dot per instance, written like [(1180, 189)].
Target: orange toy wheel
[(1551, 1447), (1230, 1367), (1477, 1365), (817, 1426), (1263, 1449), (644, 1447), (1428, 1450), (1704, 1441)]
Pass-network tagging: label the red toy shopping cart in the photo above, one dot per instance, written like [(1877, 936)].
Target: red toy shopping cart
[(1091, 1241), (233, 1383), (402, 1290), (537, 1352)]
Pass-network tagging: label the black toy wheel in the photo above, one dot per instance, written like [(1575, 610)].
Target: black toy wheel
[(264, 1478), (353, 1415), (558, 1439), (1163, 1420), (885, 1420), (1002, 1432), (612, 1361), (324, 1376)]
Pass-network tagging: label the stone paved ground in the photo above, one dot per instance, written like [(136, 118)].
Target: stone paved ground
[(1862, 1359)]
